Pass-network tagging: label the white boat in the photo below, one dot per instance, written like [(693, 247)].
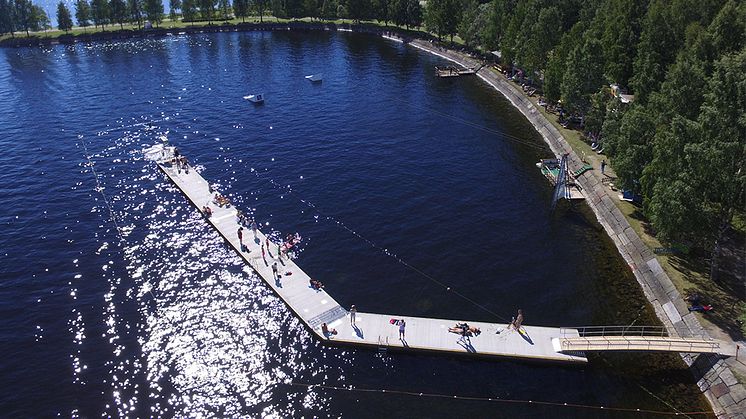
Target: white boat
[(315, 78), (257, 98)]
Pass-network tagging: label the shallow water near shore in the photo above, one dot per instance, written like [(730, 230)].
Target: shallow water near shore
[(118, 299)]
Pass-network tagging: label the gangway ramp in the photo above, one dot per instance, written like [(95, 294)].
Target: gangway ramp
[(647, 339), (315, 307)]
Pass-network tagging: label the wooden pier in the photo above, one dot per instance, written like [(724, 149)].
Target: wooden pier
[(372, 330)]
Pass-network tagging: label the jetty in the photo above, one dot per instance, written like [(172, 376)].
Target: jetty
[(316, 307), (453, 71)]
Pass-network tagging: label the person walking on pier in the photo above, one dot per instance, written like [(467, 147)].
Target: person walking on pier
[(274, 271), (353, 311), (603, 166), (517, 321)]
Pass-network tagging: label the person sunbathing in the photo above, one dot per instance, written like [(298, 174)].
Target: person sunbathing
[(327, 331)]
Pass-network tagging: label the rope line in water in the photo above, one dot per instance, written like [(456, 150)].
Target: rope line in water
[(378, 247), (497, 400)]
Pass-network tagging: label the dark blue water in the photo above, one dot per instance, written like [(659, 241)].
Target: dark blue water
[(118, 300)]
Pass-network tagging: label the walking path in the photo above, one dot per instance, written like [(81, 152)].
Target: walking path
[(713, 374), (316, 307)]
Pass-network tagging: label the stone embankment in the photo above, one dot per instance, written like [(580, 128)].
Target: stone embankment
[(714, 376)]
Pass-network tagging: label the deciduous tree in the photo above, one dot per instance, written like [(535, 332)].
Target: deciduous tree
[(118, 10)]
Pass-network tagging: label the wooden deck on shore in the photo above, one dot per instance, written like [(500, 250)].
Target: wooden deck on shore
[(372, 330)]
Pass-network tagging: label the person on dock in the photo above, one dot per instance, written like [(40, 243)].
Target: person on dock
[(279, 251), (274, 271), (517, 321), (264, 255), (316, 285), (240, 236), (266, 241), (353, 311), (402, 325), (327, 331), (253, 227), (603, 166), (207, 211)]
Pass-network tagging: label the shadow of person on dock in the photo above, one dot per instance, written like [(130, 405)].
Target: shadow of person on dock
[(466, 344), (358, 331), (404, 342), (525, 336), (256, 240), (277, 281)]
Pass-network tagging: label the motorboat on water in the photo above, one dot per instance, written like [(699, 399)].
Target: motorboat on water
[(257, 98), (315, 78)]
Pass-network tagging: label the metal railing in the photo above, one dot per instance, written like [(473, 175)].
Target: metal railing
[(634, 338), (589, 331)]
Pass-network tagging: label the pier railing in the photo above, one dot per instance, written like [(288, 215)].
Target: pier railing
[(634, 338), (599, 331)]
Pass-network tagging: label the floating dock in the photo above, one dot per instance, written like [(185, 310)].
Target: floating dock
[(315, 307)]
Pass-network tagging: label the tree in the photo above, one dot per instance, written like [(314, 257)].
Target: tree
[(189, 10), (64, 19), (39, 19), (278, 8), (23, 14), (174, 6), (100, 12), (467, 28), (207, 9), (118, 10), (329, 9), (358, 10), (241, 9), (135, 8), (414, 14), (311, 9), (7, 13), (583, 75), (381, 10), (83, 13), (261, 6), (443, 16), (154, 11), (224, 7), (398, 12), (621, 32)]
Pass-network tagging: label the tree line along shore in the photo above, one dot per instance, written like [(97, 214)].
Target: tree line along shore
[(658, 85)]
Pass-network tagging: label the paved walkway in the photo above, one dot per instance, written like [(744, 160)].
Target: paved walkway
[(714, 376), (315, 307)]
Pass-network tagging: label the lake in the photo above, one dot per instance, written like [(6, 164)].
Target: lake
[(119, 300)]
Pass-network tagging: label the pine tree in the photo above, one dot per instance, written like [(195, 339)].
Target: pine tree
[(83, 13), (118, 12), (64, 19), (100, 12), (7, 18), (154, 11), (134, 12)]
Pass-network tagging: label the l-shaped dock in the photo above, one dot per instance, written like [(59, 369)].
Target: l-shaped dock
[(316, 307)]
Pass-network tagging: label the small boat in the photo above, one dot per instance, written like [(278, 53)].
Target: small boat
[(315, 78), (258, 98)]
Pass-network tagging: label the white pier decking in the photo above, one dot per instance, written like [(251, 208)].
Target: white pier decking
[(374, 330)]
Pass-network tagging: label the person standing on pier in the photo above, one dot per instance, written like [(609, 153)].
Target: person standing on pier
[(240, 236), (603, 166), (402, 324), (274, 270), (253, 227), (353, 311), (517, 320)]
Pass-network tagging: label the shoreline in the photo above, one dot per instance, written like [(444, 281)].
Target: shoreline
[(714, 377), (399, 34)]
